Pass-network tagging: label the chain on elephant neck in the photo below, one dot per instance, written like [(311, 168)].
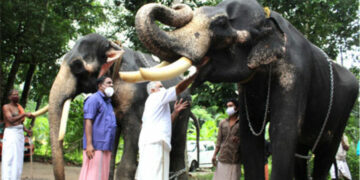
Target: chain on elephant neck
[(176, 174), (144, 60), (266, 108), (327, 114)]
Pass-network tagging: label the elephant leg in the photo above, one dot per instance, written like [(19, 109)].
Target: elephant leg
[(324, 157), (178, 143), (283, 133), (283, 139), (131, 130), (301, 163), (113, 153), (252, 152)]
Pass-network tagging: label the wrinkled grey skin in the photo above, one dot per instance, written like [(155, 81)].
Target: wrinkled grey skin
[(128, 101), (243, 45)]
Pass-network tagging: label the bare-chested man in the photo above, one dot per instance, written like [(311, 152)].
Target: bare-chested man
[(13, 141)]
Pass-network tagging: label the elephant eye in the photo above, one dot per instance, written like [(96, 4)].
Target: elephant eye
[(77, 66), (222, 21)]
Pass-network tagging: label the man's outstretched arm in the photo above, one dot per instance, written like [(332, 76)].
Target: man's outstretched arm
[(185, 83)]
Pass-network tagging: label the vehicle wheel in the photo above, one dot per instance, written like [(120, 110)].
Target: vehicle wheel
[(193, 166)]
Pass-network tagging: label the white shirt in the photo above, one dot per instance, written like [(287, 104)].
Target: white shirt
[(156, 119), (341, 153)]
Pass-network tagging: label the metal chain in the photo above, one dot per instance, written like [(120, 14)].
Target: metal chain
[(266, 108), (177, 173), (327, 114), (143, 59)]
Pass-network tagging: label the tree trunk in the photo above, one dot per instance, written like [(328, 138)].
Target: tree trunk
[(38, 102), (27, 84), (1, 85), (11, 80)]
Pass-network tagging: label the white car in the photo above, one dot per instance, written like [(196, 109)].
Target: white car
[(207, 149)]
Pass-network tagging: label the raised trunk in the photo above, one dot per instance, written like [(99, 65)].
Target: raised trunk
[(62, 89), (27, 84), (190, 39)]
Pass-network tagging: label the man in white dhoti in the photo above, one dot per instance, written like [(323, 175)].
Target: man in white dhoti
[(155, 135), (343, 169), (13, 141)]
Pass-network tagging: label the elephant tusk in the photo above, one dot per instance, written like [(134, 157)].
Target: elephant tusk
[(135, 76), (41, 111), (64, 118), (168, 72), (131, 76)]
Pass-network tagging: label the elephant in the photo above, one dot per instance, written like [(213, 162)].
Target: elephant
[(92, 56), (283, 79)]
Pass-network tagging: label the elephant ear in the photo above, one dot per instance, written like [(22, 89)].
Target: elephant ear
[(269, 44)]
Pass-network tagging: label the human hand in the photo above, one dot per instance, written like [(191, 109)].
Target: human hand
[(213, 160), (29, 115), (90, 151), (180, 105), (29, 132)]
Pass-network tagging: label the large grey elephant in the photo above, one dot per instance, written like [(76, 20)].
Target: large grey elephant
[(92, 56), (283, 79)]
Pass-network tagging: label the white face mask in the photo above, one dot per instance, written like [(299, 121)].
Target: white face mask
[(109, 91), (230, 111)]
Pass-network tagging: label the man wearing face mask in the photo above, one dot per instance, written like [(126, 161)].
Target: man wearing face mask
[(155, 134), (99, 132), (228, 143), (13, 141)]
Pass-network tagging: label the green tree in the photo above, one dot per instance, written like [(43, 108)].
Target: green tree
[(38, 32)]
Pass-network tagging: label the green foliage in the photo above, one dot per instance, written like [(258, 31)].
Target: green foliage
[(352, 130), (353, 160), (209, 119), (41, 137), (74, 129), (209, 94), (327, 24), (38, 32)]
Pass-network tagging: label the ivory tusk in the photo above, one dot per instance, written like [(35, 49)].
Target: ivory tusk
[(41, 111), (162, 64), (64, 118), (168, 72), (135, 76), (131, 76)]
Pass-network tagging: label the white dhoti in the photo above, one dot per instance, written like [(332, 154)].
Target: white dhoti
[(154, 162), (227, 171), (343, 170), (12, 153)]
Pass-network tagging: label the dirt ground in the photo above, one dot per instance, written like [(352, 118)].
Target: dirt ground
[(43, 171)]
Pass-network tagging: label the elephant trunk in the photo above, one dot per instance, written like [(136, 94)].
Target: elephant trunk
[(62, 89), (190, 39)]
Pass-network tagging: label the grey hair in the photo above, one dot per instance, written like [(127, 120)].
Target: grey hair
[(151, 85)]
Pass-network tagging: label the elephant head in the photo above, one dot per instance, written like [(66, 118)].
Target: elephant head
[(236, 35), (90, 58)]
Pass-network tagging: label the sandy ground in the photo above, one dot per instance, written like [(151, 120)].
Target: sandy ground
[(42, 171)]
